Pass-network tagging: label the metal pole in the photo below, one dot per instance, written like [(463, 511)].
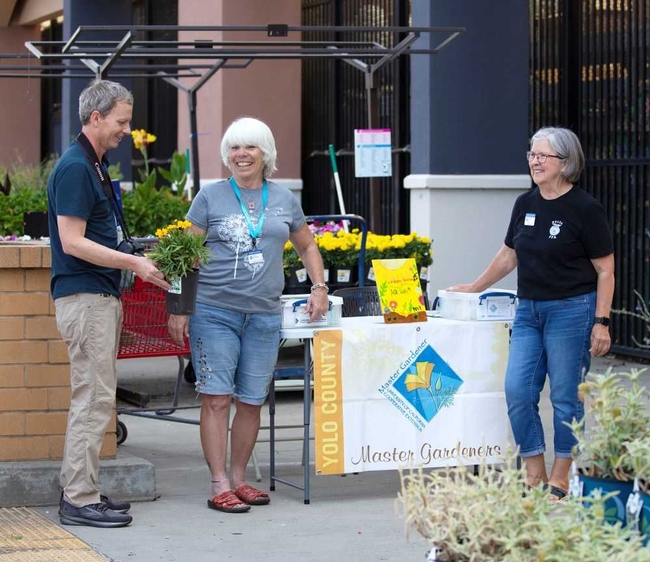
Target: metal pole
[(194, 143), (372, 100)]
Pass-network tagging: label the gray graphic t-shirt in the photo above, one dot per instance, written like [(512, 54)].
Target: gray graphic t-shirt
[(231, 280)]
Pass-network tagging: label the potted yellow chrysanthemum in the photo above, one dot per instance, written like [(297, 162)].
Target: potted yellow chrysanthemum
[(178, 254)]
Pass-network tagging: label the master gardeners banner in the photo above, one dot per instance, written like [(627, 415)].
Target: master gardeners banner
[(426, 394)]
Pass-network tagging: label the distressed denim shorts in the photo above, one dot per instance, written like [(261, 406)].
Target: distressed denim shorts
[(548, 337), (234, 353)]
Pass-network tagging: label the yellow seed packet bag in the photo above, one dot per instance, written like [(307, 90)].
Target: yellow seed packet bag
[(400, 292)]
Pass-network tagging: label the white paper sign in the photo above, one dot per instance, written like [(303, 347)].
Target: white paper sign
[(372, 153)]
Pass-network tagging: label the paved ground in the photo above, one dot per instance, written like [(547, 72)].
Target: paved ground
[(351, 518)]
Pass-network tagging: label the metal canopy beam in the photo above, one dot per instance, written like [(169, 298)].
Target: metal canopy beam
[(101, 56)]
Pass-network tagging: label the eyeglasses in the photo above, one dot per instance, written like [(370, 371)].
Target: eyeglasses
[(541, 157)]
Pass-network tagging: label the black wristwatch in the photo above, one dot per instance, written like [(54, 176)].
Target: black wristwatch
[(604, 320)]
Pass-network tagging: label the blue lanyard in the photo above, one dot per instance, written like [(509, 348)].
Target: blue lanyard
[(254, 232)]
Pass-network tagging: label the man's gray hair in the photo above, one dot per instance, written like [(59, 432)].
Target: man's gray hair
[(567, 145), (248, 131), (102, 96)]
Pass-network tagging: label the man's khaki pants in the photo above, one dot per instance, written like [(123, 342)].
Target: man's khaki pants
[(90, 324)]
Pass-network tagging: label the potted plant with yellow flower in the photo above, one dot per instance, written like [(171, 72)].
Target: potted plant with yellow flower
[(340, 250), (178, 254), (296, 280)]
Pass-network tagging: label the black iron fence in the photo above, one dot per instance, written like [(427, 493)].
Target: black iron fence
[(334, 104), (590, 71)]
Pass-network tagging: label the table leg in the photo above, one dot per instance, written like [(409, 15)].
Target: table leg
[(306, 423), (306, 419), (272, 433)]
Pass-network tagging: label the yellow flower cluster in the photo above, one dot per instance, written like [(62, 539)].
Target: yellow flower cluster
[(141, 138), (178, 225), (341, 249), (178, 250)]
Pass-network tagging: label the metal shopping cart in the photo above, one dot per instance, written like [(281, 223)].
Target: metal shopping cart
[(144, 334)]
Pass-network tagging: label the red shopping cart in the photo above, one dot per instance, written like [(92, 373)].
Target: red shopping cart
[(144, 334)]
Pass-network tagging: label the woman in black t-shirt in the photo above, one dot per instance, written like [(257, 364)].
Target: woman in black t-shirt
[(560, 242)]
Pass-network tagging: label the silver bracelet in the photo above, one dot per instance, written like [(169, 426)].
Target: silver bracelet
[(320, 286)]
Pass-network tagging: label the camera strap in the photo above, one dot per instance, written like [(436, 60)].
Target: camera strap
[(105, 181)]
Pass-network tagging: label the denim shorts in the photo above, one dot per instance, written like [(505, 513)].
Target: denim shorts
[(234, 353), (548, 337)]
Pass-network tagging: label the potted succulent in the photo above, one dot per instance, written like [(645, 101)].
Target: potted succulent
[(615, 417), (178, 254), (482, 517)]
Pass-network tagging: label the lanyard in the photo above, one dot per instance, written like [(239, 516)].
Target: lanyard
[(254, 232), (104, 180)]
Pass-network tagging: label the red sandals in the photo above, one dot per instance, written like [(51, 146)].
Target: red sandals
[(251, 495), (228, 502)]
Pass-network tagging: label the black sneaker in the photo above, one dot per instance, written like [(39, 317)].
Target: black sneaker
[(115, 505), (93, 515)]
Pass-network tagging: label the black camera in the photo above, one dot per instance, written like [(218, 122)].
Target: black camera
[(130, 246)]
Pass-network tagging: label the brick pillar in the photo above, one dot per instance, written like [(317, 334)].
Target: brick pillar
[(34, 367)]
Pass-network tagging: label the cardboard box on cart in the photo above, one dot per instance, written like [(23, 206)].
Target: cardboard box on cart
[(294, 314)]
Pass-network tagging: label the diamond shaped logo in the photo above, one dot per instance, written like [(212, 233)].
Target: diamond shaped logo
[(429, 384)]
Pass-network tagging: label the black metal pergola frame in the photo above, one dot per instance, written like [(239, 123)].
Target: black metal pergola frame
[(116, 57)]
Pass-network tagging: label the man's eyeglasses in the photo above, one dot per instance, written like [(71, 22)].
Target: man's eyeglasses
[(541, 157)]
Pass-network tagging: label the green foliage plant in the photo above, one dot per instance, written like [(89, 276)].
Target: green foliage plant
[(176, 176), (639, 451), (115, 171), (30, 176), (179, 250), (482, 518), (616, 407), (28, 193), (146, 208)]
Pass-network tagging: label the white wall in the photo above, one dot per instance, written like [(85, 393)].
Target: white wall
[(466, 216)]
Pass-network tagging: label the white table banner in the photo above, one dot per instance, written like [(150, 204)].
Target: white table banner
[(421, 394)]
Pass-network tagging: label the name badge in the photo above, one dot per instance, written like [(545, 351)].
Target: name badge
[(530, 219), (255, 257)]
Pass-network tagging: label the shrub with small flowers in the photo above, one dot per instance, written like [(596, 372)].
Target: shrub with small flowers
[(179, 250)]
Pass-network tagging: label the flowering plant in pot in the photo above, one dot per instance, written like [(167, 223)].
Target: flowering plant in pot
[(178, 254), (295, 273), (340, 251), (482, 517), (615, 417)]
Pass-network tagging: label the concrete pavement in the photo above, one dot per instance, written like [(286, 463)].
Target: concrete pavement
[(351, 518)]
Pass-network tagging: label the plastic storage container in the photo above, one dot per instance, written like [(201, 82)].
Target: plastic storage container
[(295, 316), (493, 304)]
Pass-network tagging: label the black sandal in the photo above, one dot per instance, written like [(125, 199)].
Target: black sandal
[(558, 493)]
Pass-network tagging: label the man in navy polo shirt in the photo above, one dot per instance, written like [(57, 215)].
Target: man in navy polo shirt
[(85, 233)]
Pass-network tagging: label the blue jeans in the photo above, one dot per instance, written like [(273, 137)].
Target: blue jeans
[(548, 337), (234, 353)]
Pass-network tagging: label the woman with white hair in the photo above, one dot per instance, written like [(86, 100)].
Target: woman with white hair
[(560, 242), (235, 332)]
